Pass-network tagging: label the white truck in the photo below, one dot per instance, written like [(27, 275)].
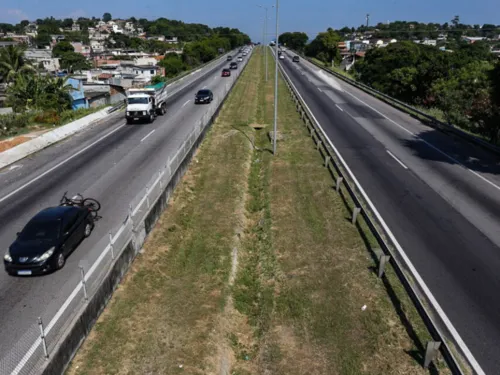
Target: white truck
[(146, 103)]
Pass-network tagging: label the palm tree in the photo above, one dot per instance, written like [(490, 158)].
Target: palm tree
[(12, 62)]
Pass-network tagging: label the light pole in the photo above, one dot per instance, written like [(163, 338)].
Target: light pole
[(265, 35), (276, 81)]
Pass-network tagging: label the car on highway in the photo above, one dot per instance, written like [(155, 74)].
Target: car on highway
[(203, 96), (48, 239), (240, 59), (296, 59), (233, 65), (226, 72), (229, 58), (282, 57)]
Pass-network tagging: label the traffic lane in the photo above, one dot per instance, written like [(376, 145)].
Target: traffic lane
[(458, 263), (46, 159), (132, 172), (476, 199), (472, 156)]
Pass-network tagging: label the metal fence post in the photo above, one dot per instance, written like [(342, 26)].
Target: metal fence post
[(84, 284), (382, 261), (159, 179), (431, 352), (327, 159), (355, 213), (147, 195), (339, 182), (42, 337), (318, 144), (111, 245)]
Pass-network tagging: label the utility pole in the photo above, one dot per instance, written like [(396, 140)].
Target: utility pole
[(264, 44), (276, 81)]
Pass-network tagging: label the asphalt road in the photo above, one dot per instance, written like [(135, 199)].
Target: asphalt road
[(439, 195), (113, 163)]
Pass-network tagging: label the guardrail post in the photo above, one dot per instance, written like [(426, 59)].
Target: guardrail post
[(338, 183), (355, 213), (147, 195), (42, 337), (84, 284), (312, 132), (111, 245), (159, 179), (327, 159), (130, 214), (431, 352), (382, 261), (318, 144)]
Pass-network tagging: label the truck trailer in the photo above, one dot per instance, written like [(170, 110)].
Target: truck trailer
[(144, 104)]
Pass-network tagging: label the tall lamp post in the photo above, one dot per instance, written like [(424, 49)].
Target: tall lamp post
[(276, 81), (265, 36)]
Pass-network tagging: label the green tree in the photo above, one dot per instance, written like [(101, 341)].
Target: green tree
[(67, 23), (12, 63), (325, 46), (73, 61), (43, 39), (106, 17), (173, 65), (61, 48), (294, 40)]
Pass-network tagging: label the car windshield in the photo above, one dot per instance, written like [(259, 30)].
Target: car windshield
[(137, 100), (41, 230), (203, 92)]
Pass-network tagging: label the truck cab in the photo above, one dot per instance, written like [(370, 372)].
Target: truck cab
[(146, 103)]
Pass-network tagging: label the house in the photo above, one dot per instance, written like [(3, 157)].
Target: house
[(172, 40), (77, 94), (117, 29), (6, 44), (430, 42), (96, 46), (160, 38), (378, 43), (472, 39), (145, 61), (81, 48), (358, 45), (129, 26), (44, 58), (75, 27), (144, 73)]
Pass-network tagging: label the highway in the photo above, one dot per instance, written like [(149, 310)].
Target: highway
[(439, 195), (111, 162)]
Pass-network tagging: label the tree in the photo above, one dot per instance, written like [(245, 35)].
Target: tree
[(43, 39), (173, 65), (67, 23), (294, 40), (12, 62), (61, 48), (73, 61), (325, 46), (106, 17)]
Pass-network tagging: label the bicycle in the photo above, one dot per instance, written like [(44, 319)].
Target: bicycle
[(78, 200)]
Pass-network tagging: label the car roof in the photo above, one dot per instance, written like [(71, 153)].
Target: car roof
[(54, 213), (203, 91), (226, 69)]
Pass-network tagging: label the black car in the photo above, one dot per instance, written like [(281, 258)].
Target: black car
[(203, 96), (47, 240), (295, 59), (229, 58), (233, 65)]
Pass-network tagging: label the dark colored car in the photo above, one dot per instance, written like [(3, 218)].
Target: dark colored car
[(226, 73), (233, 65), (203, 96), (229, 58), (295, 59), (47, 240)]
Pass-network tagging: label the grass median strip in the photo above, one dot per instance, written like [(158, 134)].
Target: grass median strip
[(255, 267)]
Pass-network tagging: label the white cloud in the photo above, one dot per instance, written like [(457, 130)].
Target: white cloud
[(13, 15)]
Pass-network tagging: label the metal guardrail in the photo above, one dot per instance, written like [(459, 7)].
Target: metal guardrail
[(445, 337), (117, 107), (43, 339), (433, 122)]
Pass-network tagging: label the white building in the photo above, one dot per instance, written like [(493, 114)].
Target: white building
[(44, 57), (117, 29)]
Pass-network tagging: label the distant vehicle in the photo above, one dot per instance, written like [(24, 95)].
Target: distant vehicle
[(244, 53), (295, 59), (146, 103), (240, 59), (279, 52), (282, 57), (229, 58), (226, 72), (203, 96), (233, 65), (48, 239)]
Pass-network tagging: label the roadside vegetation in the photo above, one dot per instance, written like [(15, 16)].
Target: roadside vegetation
[(254, 268)]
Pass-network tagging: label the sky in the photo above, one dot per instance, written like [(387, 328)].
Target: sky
[(310, 16)]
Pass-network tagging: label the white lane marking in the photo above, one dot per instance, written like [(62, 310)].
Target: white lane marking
[(319, 89), (147, 135), (449, 326), (429, 144), (186, 103), (204, 87), (59, 164), (395, 158), (336, 105), (215, 77)]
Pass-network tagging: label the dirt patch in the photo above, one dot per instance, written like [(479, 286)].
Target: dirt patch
[(10, 143)]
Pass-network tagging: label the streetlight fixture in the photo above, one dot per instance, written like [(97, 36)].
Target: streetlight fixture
[(276, 81)]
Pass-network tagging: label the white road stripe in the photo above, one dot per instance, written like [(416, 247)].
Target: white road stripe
[(151, 132), (204, 87), (429, 144), (336, 105), (319, 89), (395, 158), (186, 103), (59, 164)]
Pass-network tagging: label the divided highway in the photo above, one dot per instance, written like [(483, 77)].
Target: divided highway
[(111, 162), (439, 195)]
